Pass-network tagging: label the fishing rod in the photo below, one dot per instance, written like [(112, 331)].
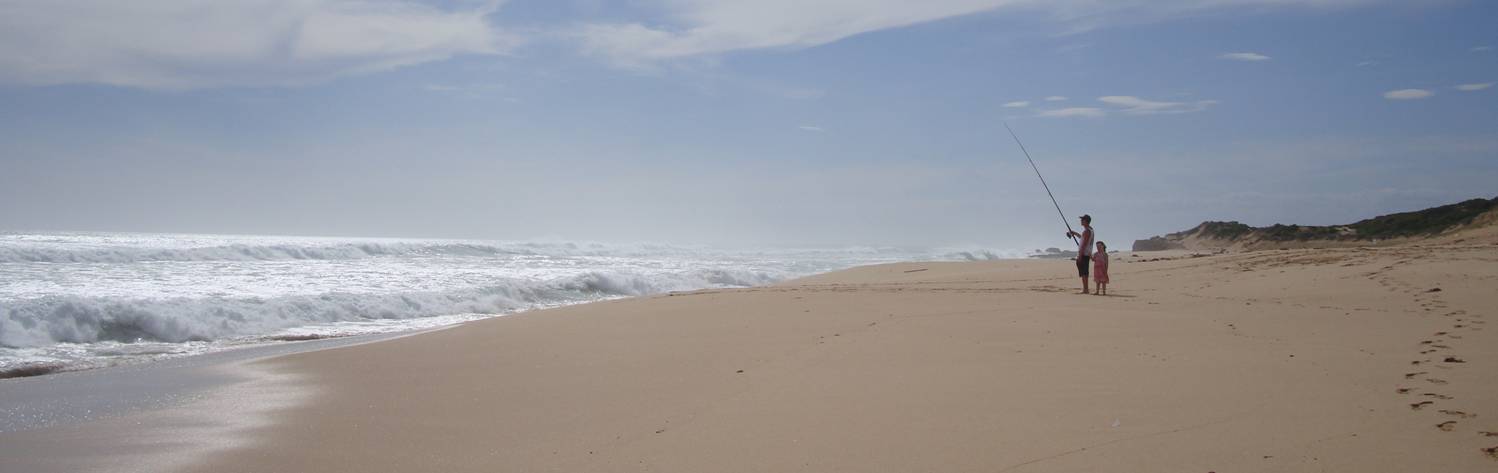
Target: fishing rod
[(1069, 231)]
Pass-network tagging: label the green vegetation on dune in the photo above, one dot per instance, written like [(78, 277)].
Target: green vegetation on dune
[(1419, 223), (1225, 230), (1423, 222), (1278, 232), (1406, 224), (1214, 230)]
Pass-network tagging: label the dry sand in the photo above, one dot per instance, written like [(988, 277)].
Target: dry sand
[(1299, 360)]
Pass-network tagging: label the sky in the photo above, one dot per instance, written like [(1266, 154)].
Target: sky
[(739, 123)]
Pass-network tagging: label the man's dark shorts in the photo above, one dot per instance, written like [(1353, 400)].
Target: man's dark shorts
[(1082, 265)]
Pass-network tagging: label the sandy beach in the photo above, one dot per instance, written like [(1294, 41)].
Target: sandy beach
[(1377, 359), (748, 236)]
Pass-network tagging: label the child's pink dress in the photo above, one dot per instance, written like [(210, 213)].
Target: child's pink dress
[(1100, 267)]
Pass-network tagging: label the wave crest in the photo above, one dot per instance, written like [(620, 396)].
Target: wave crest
[(70, 319), (243, 252)]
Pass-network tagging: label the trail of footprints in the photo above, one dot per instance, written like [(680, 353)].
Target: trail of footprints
[(1436, 353)]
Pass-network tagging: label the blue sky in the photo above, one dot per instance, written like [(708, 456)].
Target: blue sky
[(739, 123)]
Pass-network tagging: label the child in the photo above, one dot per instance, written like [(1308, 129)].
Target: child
[(1100, 268)]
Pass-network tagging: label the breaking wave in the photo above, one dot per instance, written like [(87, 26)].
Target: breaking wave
[(71, 300), (303, 251), (72, 319), (981, 255)]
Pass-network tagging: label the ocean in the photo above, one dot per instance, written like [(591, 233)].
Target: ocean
[(72, 300)]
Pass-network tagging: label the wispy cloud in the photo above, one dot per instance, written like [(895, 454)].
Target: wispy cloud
[(1481, 49), (184, 44), (811, 128), (1055, 98), (1082, 112), (1474, 87), (1367, 63), (690, 28), (1408, 94), (1244, 56), (1017, 104), (1136, 106)]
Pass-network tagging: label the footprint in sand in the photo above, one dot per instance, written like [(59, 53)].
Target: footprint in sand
[(1438, 396), (1436, 380), (1491, 451), (1452, 359), (1413, 375), (1488, 434), (1447, 426), (1421, 405), (1403, 390), (1458, 414)]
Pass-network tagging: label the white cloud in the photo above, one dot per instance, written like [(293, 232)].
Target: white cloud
[(1245, 56), (1136, 106), (1018, 104), (1084, 112), (183, 44), (811, 128), (1367, 63), (1055, 98), (1481, 49), (703, 27), (715, 26), (1474, 87), (1407, 94)]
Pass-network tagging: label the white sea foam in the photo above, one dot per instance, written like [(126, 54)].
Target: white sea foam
[(72, 319), (117, 248), (85, 299)]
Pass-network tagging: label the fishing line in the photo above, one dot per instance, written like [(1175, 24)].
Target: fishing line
[(1042, 182)]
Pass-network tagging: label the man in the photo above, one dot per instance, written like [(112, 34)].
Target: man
[(1084, 249)]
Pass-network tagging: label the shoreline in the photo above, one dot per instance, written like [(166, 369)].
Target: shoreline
[(1226, 362), (157, 416), (70, 397)]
